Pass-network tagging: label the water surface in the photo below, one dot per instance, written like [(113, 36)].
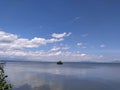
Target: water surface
[(69, 76)]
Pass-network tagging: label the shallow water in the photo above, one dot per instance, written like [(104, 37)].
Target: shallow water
[(69, 76)]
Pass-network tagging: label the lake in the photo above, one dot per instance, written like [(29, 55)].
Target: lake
[(69, 76)]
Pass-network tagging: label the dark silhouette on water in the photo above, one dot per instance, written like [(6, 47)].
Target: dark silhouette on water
[(59, 62)]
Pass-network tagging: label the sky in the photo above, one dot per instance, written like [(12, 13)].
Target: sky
[(67, 30)]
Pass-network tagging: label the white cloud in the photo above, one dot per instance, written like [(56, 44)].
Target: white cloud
[(55, 35), (7, 37), (54, 56), (83, 54), (11, 41), (81, 45), (38, 55), (55, 48), (102, 45), (65, 48), (14, 47)]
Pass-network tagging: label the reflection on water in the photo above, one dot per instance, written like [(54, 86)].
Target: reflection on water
[(69, 76)]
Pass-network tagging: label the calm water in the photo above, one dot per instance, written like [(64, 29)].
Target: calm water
[(69, 76)]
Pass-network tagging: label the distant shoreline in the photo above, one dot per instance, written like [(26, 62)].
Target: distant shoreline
[(5, 61)]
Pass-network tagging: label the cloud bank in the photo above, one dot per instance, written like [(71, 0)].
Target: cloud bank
[(10, 41), (14, 47)]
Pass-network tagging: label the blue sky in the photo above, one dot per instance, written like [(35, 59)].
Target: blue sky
[(68, 30)]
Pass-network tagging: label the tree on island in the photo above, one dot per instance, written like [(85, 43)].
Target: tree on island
[(3, 83)]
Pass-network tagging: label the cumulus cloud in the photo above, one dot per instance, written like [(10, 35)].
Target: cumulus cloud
[(7, 37), (14, 47), (12, 41), (55, 35)]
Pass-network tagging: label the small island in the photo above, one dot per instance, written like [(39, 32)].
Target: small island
[(59, 62)]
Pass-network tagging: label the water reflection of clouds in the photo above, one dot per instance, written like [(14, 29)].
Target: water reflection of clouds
[(21, 78), (51, 70), (36, 76), (35, 81), (50, 76)]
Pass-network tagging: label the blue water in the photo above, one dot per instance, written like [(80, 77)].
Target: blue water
[(69, 76)]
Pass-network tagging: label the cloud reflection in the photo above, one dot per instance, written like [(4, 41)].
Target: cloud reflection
[(49, 76)]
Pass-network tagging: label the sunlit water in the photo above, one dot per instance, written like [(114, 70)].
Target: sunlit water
[(69, 76)]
